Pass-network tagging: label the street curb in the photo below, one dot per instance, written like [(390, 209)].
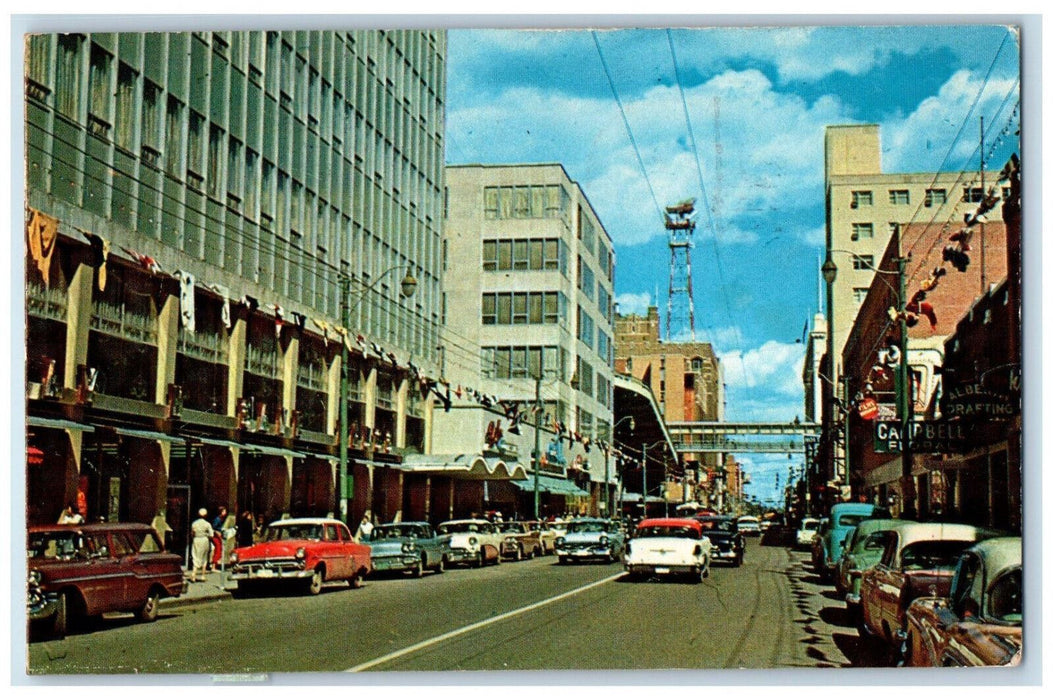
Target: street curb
[(186, 600)]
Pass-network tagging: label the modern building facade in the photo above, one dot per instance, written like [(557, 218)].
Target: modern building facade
[(527, 308), (195, 204)]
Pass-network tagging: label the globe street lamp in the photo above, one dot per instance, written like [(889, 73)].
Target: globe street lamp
[(406, 288)]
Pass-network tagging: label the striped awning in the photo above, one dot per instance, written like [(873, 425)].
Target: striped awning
[(548, 484)]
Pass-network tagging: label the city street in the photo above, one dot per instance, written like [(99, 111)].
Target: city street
[(532, 615)]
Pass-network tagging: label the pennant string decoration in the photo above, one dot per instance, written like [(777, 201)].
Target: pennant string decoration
[(43, 235)]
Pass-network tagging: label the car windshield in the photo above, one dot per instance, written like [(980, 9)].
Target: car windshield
[(450, 528), (1005, 599), (586, 527), (719, 524), (509, 527), (56, 545), (668, 531), (293, 532), (810, 526), (937, 554), (395, 532), (850, 519)]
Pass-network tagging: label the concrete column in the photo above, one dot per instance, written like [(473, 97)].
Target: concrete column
[(332, 391), (429, 422), (78, 322), (167, 345), (401, 397), (287, 495), (369, 397), (290, 362), (236, 350)]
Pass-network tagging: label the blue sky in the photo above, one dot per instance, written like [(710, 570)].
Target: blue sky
[(759, 100)]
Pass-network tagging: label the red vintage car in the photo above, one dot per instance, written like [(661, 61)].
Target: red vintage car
[(305, 551), (918, 560), (979, 623), (79, 571)]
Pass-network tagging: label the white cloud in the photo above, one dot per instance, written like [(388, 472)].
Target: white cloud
[(633, 303), (774, 366)]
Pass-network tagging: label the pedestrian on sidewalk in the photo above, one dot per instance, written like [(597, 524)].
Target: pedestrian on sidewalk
[(70, 516), (218, 523), (365, 528), (246, 527), (201, 532)]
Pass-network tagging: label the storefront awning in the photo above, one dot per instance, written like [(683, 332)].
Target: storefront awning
[(252, 449), (548, 484), (60, 424), (462, 466), (150, 435)]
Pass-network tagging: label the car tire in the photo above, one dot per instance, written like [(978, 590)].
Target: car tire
[(314, 584), (418, 570), (480, 560), (149, 609), (562, 560), (60, 622), (440, 567), (358, 579), (519, 553)]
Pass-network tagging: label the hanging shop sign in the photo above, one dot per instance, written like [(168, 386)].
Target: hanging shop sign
[(868, 409), (927, 437), (976, 401)]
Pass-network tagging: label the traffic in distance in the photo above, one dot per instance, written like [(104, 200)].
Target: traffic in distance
[(926, 593)]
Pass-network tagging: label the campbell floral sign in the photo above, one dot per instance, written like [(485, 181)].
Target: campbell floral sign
[(931, 437)]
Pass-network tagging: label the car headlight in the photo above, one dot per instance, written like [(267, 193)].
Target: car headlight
[(408, 547), (472, 541), (604, 540), (34, 577), (560, 541), (301, 553), (233, 557)]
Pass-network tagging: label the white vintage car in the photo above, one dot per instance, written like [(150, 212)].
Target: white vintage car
[(667, 547), (473, 542)]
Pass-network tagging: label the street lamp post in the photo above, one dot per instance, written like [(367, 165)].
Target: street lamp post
[(904, 396), (607, 463), (829, 275), (407, 287)]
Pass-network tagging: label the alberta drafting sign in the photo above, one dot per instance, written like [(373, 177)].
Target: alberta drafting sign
[(926, 437), (977, 401)]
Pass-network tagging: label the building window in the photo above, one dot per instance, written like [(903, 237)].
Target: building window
[(521, 254), (67, 74), (124, 120), (935, 197), (519, 308), (973, 194), (99, 84), (862, 262), (862, 231), (859, 294), (899, 197), (524, 202), (862, 198)]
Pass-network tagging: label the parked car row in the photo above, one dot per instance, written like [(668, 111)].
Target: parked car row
[(931, 594)]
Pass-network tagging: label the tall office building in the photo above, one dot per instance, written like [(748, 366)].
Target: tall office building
[(863, 207), (195, 204), (528, 292)]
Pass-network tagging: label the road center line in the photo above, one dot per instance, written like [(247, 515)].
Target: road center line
[(477, 625)]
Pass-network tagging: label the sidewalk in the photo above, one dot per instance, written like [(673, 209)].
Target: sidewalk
[(211, 589)]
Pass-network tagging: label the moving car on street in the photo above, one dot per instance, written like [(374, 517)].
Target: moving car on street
[(979, 622), (668, 547), (819, 544), (749, 526), (473, 542), (78, 571), (724, 538), (806, 532), (918, 560), (546, 534), (303, 551), (520, 542), (410, 547), (590, 538)]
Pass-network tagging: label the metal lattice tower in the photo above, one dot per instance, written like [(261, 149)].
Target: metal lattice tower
[(680, 314)]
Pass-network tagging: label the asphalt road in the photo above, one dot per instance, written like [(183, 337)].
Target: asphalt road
[(531, 615)]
